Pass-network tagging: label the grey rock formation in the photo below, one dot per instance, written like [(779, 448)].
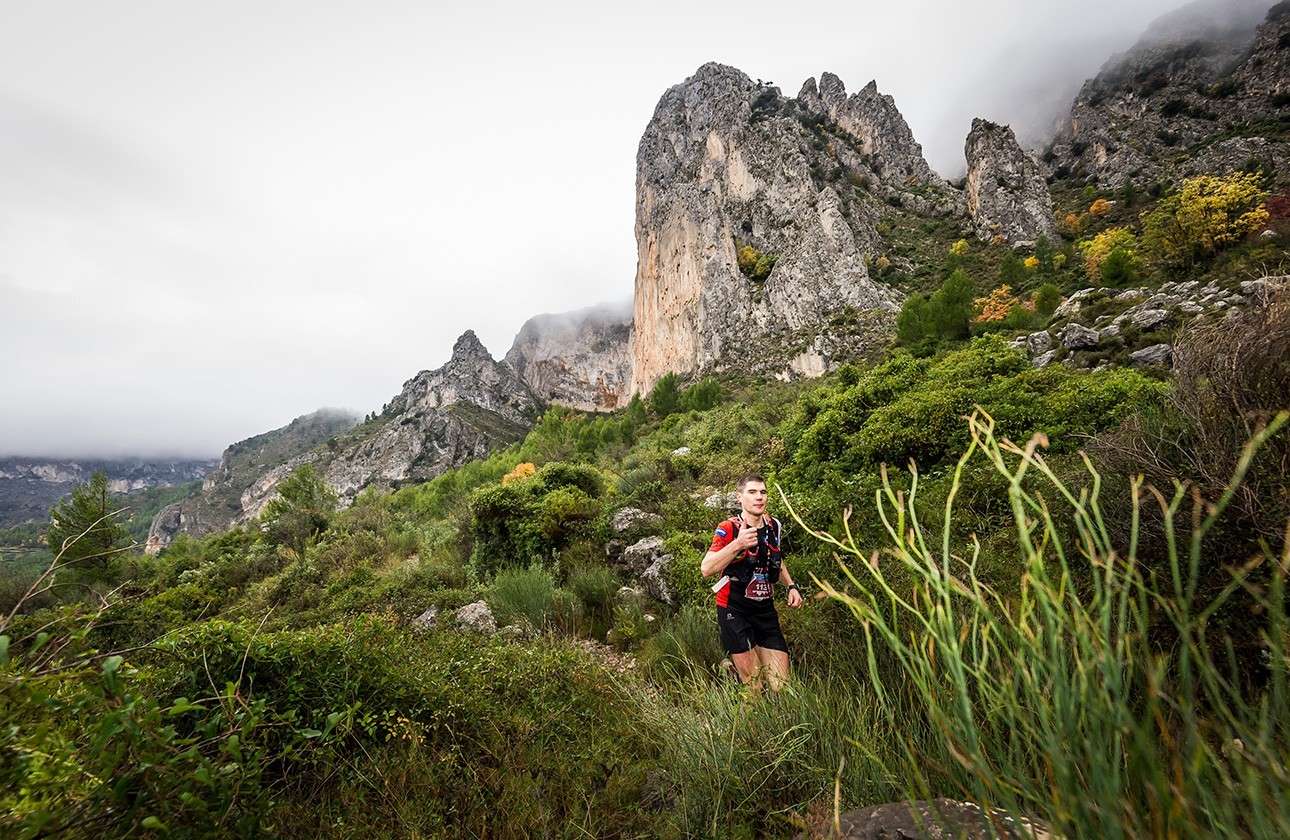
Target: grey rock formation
[(1007, 195), (1073, 304), (476, 618), (1148, 319), (1078, 337), (634, 519), (638, 556), (427, 620), (655, 580), (1195, 95), (726, 163), (442, 419), (1156, 354), (580, 359), (1040, 342), (722, 501), (1043, 360), (873, 121)]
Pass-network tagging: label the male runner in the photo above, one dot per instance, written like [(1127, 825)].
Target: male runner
[(746, 552)]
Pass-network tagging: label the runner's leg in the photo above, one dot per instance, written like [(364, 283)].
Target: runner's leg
[(774, 664), (749, 665)]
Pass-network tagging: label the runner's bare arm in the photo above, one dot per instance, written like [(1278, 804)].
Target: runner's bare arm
[(714, 562)]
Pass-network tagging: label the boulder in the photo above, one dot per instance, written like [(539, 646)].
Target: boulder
[(1147, 319), (638, 556), (477, 618), (722, 501), (655, 580), (1038, 343), (1079, 337), (1045, 359), (1156, 354), (1073, 304), (427, 619), (634, 519)]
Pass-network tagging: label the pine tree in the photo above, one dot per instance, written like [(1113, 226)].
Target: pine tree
[(84, 531)]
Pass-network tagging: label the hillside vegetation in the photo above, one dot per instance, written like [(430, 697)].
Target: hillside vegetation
[(1004, 611)]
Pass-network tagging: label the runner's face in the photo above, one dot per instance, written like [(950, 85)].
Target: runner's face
[(753, 498)]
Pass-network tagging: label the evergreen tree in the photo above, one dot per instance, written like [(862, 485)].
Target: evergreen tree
[(301, 511), (951, 306), (84, 531), (665, 399), (914, 323)]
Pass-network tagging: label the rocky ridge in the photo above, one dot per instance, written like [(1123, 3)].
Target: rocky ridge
[(441, 419), (30, 487), (1202, 92)]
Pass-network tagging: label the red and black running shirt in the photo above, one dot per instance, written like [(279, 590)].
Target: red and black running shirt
[(766, 559)]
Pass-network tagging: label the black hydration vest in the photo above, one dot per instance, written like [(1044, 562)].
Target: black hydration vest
[(743, 567)]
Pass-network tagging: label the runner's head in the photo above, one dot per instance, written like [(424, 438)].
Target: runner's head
[(752, 494)]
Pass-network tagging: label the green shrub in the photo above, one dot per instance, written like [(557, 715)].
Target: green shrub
[(595, 586)]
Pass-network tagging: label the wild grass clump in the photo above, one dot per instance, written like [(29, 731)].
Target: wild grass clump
[(1059, 703), (530, 598), (741, 766), (687, 643)]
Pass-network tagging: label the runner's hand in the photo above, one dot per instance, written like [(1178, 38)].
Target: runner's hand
[(747, 539), (795, 599)]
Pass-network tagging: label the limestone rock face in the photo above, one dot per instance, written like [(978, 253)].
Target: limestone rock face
[(879, 129), (727, 163), (1195, 95), (1006, 192), (580, 359)]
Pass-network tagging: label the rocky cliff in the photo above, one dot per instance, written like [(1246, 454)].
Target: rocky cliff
[(441, 419), (1006, 192), (1205, 91), (30, 487), (580, 359), (756, 220)]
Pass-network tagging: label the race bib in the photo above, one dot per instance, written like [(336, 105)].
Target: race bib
[(758, 589)]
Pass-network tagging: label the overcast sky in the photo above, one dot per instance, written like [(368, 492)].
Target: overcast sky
[(217, 216)]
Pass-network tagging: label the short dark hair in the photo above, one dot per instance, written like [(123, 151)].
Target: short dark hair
[(743, 482)]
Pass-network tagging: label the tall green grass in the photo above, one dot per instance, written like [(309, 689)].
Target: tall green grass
[(1100, 698)]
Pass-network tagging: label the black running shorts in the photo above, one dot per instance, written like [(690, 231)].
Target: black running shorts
[(741, 631)]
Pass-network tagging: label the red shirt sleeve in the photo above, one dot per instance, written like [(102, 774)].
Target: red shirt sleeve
[(722, 536)]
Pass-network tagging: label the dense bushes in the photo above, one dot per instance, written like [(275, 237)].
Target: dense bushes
[(912, 409), (529, 521)]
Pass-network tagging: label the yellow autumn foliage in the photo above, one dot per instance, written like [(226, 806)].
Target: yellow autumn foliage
[(521, 472), (1096, 250), (1207, 215), (996, 305)]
